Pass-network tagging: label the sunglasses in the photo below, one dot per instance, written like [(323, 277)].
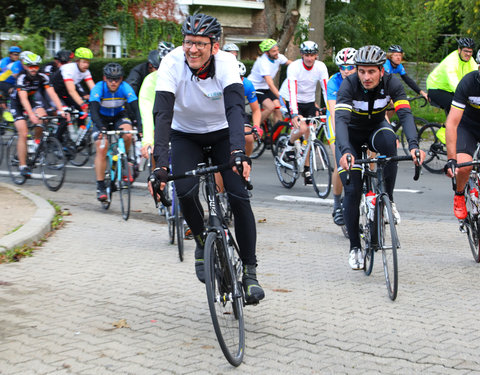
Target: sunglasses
[(14, 53), (347, 67), (33, 67), (114, 79)]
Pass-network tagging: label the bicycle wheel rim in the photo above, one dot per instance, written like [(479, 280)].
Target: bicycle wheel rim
[(366, 238), (13, 162), (226, 309), (388, 243), (258, 147), (108, 186), (320, 169), (83, 152), (124, 187), (53, 163), (287, 172), (471, 222), (179, 228), (435, 150)]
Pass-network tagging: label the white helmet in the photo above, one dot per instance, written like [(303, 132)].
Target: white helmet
[(229, 47), (242, 69), (346, 56), (478, 57)]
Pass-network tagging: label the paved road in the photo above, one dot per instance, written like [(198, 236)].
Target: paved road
[(59, 307)]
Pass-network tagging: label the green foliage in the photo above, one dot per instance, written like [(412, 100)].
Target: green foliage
[(96, 66), (301, 31)]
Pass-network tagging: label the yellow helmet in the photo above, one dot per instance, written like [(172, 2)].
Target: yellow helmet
[(83, 53)]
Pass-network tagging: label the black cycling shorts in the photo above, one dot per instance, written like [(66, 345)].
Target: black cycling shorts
[(467, 139), (262, 95), (113, 123), (304, 109)]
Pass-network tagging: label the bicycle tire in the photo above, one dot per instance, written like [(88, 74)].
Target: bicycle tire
[(179, 228), (83, 151), (259, 144), (170, 211), (388, 244), (419, 123), (435, 150), (13, 162), (472, 220), (1, 144), (287, 172), (320, 169), (225, 300), (366, 238), (53, 163), (124, 186), (281, 127), (108, 185)]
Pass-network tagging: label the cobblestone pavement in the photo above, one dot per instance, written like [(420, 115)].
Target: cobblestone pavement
[(319, 317)]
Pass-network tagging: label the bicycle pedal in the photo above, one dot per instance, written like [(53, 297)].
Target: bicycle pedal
[(462, 227)]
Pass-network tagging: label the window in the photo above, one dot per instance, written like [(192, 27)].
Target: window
[(53, 44), (111, 52)]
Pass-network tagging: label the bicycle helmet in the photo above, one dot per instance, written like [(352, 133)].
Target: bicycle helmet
[(267, 45), (31, 59), (113, 71), (63, 56), (164, 48), (83, 53), (370, 55), (478, 57), (14, 49), (346, 56), (229, 47), (466, 43), (242, 69), (309, 47), (202, 25), (154, 58)]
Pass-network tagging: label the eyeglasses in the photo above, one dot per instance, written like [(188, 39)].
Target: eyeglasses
[(114, 79), (14, 53), (347, 67), (467, 51), (189, 44)]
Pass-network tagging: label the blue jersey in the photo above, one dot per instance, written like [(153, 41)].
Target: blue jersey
[(332, 88), (398, 70), (250, 93), (8, 68), (112, 103)]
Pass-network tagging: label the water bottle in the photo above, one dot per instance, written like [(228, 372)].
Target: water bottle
[(474, 199), (231, 250), (298, 148), (371, 200), (31, 146), (81, 134), (71, 131)]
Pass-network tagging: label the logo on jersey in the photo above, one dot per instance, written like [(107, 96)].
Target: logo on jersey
[(214, 95)]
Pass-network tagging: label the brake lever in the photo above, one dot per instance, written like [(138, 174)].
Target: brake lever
[(418, 168), (239, 165)]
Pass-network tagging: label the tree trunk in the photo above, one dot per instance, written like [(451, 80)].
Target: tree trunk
[(288, 29), (317, 22), (282, 30)]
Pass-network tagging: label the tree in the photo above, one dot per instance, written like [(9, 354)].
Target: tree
[(281, 28)]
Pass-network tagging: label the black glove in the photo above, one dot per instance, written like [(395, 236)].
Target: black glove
[(239, 155), (451, 164), (160, 175)]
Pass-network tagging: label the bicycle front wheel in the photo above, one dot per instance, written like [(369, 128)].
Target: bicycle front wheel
[(472, 221), (82, 151), (320, 169), (53, 162), (366, 237), (419, 123), (388, 244), (431, 139), (224, 299), (13, 162), (124, 186), (287, 171), (179, 227)]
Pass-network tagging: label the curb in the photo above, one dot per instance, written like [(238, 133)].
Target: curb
[(35, 228)]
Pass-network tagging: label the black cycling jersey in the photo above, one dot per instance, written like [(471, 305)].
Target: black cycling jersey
[(467, 99), (137, 75), (50, 68), (30, 84)]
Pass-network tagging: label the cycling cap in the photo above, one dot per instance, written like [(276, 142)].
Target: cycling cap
[(113, 70), (267, 45), (154, 58), (64, 55), (466, 43), (31, 59), (14, 49), (242, 69), (230, 47), (370, 55), (164, 48), (202, 25), (309, 47), (346, 56), (83, 53), (395, 48)]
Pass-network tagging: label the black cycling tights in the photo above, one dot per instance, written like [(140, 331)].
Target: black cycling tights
[(381, 140), (186, 154)]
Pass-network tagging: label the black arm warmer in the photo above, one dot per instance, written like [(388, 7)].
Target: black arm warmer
[(406, 119), (410, 82), (95, 114), (162, 115), (133, 108), (234, 99)]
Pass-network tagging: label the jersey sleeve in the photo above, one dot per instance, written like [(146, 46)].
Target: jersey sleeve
[(250, 93), (323, 79), (282, 59), (128, 92), (146, 99), (343, 114), (460, 98), (228, 74), (166, 75)]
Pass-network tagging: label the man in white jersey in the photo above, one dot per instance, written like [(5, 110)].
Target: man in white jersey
[(263, 72), (298, 91), (199, 102)]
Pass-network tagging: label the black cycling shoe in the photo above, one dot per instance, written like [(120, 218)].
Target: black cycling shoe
[(308, 178), (199, 258), (253, 291), (338, 216), (26, 172)]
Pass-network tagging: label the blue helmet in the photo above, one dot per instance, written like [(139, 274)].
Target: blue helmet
[(14, 49)]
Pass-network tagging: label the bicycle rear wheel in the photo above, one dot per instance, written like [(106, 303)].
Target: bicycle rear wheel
[(472, 221), (82, 151), (259, 144), (13, 163), (178, 218), (53, 162), (224, 299), (434, 147), (287, 171), (124, 186), (320, 169), (388, 243), (419, 122), (366, 237)]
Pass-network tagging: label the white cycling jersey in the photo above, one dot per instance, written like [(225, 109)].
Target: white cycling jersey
[(70, 72), (301, 83), (262, 67), (199, 103)]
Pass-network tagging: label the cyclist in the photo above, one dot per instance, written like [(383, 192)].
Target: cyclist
[(232, 48), (462, 134), (200, 102), (263, 72), (140, 71), (10, 67), (298, 90), (108, 99), (345, 60), (29, 97), (360, 109), (443, 80), (62, 57)]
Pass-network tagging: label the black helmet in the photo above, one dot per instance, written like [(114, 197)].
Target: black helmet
[(113, 70), (202, 25), (154, 58), (64, 56), (164, 48), (466, 43), (395, 48), (309, 47), (370, 55)]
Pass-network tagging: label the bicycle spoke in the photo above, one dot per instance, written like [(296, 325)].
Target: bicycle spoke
[(53, 162), (320, 169), (388, 243)]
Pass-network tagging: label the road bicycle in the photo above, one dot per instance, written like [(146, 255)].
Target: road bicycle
[(269, 136), (223, 266), (288, 171), (431, 139), (46, 154), (377, 224), (118, 173), (5, 126)]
